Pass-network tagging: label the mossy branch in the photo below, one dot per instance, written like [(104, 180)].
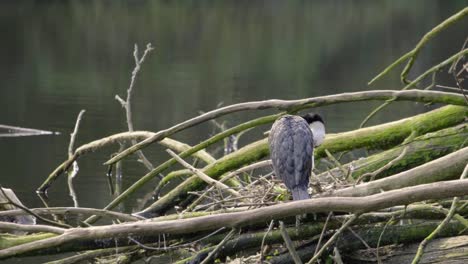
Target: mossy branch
[(417, 80), (420, 150), (412, 55)]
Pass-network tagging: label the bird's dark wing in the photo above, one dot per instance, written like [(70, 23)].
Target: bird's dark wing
[(291, 147), (303, 153)]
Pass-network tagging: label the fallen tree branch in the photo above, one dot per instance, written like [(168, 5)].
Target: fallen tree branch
[(296, 105), (73, 210), (356, 205), (445, 168), (5, 226), (416, 81), (203, 176), (420, 150)]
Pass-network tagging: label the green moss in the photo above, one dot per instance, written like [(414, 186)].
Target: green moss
[(8, 240)]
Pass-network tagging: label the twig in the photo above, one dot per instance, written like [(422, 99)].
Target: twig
[(455, 89), (74, 133), (203, 176), (359, 238), (219, 246), (270, 226), (289, 244), (175, 246), (418, 79), (380, 239), (323, 232), (337, 256), (455, 75), (447, 219), (225, 200), (333, 238), (336, 162), (127, 103), (74, 172), (453, 67), (372, 175), (225, 178)]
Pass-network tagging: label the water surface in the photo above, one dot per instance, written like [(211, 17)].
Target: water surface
[(58, 57)]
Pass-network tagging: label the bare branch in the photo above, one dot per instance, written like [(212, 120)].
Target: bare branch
[(296, 105), (219, 246), (333, 238), (289, 244), (203, 176), (72, 174)]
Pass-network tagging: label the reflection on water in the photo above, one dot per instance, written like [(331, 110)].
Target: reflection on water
[(14, 131), (58, 57)]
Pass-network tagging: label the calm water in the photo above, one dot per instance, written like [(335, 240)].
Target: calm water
[(58, 57)]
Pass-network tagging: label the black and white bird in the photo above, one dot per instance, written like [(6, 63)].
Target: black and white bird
[(292, 141)]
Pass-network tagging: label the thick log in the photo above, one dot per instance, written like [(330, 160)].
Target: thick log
[(356, 205)]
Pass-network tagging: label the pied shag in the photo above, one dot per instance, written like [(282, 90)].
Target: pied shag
[(292, 140)]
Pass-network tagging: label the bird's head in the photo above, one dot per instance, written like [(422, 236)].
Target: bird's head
[(317, 126)]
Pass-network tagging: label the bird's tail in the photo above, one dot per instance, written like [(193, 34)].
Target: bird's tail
[(300, 193)]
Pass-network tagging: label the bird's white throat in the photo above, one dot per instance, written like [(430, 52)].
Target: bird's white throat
[(318, 130)]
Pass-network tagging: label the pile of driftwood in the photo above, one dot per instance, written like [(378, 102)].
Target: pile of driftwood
[(403, 201)]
